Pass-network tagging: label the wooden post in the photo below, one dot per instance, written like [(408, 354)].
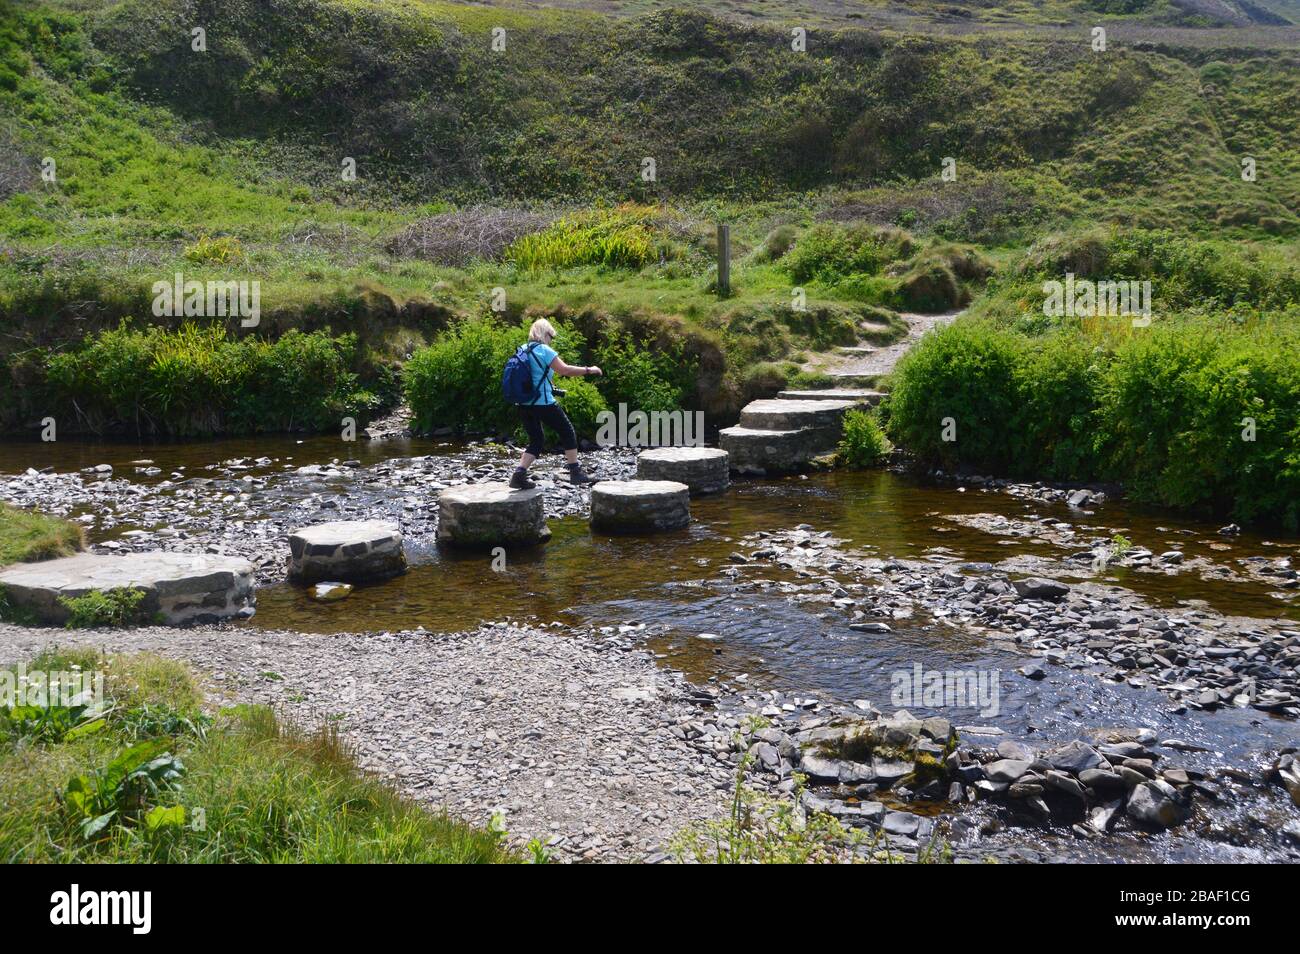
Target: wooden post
[(724, 260)]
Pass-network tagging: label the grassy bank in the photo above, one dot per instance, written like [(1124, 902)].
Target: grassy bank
[(26, 535), (151, 778)]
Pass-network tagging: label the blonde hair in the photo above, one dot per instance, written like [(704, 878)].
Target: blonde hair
[(541, 330)]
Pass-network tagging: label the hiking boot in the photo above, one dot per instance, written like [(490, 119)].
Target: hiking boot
[(520, 480), (579, 476)]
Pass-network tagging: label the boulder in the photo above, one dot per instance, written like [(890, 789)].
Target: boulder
[(347, 551), (1006, 770), (1156, 805), (491, 514), (179, 587), (1074, 757)]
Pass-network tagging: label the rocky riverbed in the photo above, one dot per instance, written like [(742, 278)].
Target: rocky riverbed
[(789, 624), (1201, 659), (247, 506)]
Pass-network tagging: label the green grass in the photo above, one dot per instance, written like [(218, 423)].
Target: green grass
[(27, 535), (253, 788)]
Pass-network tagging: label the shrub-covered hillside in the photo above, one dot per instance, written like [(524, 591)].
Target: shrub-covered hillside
[(409, 183)]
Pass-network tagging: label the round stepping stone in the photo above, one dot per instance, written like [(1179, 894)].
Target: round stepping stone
[(491, 514), (179, 587), (346, 550), (704, 470), (640, 506)]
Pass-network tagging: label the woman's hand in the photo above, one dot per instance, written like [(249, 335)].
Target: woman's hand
[(595, 370)]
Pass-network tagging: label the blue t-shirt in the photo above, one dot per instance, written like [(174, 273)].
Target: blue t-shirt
[(540, 357)]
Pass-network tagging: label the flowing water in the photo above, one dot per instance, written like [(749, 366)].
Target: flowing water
[(756, 638)]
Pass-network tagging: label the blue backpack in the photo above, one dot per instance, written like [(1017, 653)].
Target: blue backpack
[(517, 377)]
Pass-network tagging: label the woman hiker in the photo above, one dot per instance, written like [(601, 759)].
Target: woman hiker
[(542, 409)]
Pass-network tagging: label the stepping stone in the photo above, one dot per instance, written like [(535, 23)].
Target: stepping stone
[(346, 551), (704, 470), (782, 415), (491, 514), (640, 506), (758, 451), (857, 395), (180, 587)]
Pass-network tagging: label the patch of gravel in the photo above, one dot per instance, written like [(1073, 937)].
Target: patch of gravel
[(576, 735)]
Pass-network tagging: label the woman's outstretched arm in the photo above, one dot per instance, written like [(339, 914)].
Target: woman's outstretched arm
[(572, 370)]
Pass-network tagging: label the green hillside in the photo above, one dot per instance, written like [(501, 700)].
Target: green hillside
[(129, 156)]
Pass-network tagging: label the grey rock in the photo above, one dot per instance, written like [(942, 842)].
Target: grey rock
[(1006, 770), (1074, 757), (1101, 780), (1038, 588), (1156, 805), (1008, 749), (902, 823), (1102, 817), (346, 550)]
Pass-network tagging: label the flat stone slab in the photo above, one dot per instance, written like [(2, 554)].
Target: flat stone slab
[(704, 470), (857, 395), (491, 514), (180, 587), (640, 506), (346, 551), (760, 451), (779, 414)]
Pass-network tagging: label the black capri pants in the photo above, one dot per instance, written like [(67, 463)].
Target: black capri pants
[(552, 416)]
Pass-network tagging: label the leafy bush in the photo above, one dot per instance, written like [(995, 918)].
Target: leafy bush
[(775, 244), (613, 238), (197, 381), (929, 287), (1173, 407), (966, 372), (1186, 273), (582, 402), (829, 252), (863, 443), (456, 381), (117, 608), (642, 377), (121, 792), (1166, 412)]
